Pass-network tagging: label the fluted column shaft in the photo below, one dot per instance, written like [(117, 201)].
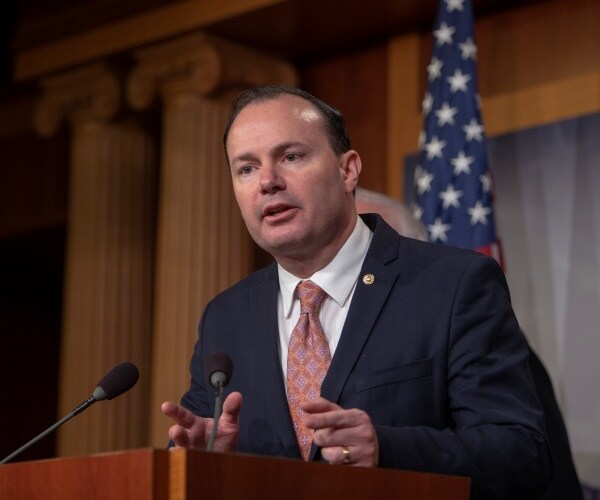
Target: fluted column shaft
[(107, 310), (203, 245)]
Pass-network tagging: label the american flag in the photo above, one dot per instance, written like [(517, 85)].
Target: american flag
[(453, 180)]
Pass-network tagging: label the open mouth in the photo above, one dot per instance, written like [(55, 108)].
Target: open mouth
[(276, 210)]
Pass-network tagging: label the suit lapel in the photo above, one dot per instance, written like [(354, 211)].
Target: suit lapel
[(369, 297), (267, 363)]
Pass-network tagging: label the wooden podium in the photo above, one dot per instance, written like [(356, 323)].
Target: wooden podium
[(148, 474)]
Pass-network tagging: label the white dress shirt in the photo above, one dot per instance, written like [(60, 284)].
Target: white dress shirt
[(338, 279)]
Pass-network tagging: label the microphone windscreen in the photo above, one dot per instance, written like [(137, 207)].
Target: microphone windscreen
[(219, 362), (117, 381)]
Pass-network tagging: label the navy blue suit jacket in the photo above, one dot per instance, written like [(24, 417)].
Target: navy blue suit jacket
[(431, 350)]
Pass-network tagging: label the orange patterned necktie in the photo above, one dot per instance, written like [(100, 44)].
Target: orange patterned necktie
[(308, 360)]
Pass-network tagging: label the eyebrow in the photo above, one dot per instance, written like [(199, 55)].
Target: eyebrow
[(276, 151), (243, 157)]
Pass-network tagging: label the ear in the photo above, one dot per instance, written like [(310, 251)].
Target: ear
[(350, 167)]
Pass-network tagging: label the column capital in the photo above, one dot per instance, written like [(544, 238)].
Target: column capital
[(91, 92), (201, 64)]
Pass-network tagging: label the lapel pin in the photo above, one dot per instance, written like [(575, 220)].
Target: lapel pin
[(368, 279)]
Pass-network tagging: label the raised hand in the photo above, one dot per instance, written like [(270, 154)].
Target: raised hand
[(191, 431), (345, 436)]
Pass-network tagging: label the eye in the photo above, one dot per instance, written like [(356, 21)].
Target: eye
[(245, 170), (289, 157)]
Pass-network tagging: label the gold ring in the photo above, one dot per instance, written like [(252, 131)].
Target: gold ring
[(346, 453)]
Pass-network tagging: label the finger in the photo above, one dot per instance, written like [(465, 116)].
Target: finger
[(358, 456), (335, 455), (181, 415), (179, 436), (231, 408), (335, 419), (319, 405), (336, 437)]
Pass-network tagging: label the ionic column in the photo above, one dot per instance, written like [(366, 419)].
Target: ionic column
[(203, 246), (109, 262)]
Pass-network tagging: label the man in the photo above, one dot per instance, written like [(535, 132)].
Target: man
[(426, 368)]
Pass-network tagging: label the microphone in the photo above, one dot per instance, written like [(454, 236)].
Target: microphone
[(117, 381), (218, 372)]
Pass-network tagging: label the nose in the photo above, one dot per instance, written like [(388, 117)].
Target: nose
[(271, 179)]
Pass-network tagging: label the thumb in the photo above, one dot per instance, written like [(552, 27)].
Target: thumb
[(231, 408)]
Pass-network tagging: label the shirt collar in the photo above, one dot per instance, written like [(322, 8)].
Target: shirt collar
[(339, 276)]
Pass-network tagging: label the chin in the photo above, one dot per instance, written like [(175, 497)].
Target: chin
[(281, 239), (284, 247)]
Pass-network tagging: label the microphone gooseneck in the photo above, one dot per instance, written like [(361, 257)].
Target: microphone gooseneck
[(117, 381), (218, 372)]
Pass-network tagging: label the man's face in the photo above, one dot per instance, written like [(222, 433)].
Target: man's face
[(294, 192)]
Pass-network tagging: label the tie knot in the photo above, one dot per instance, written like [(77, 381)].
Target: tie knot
[(310, 296)]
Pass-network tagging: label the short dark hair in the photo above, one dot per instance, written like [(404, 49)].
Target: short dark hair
[(335, 125)]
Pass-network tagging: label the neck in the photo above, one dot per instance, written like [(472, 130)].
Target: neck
[(306, 268)]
